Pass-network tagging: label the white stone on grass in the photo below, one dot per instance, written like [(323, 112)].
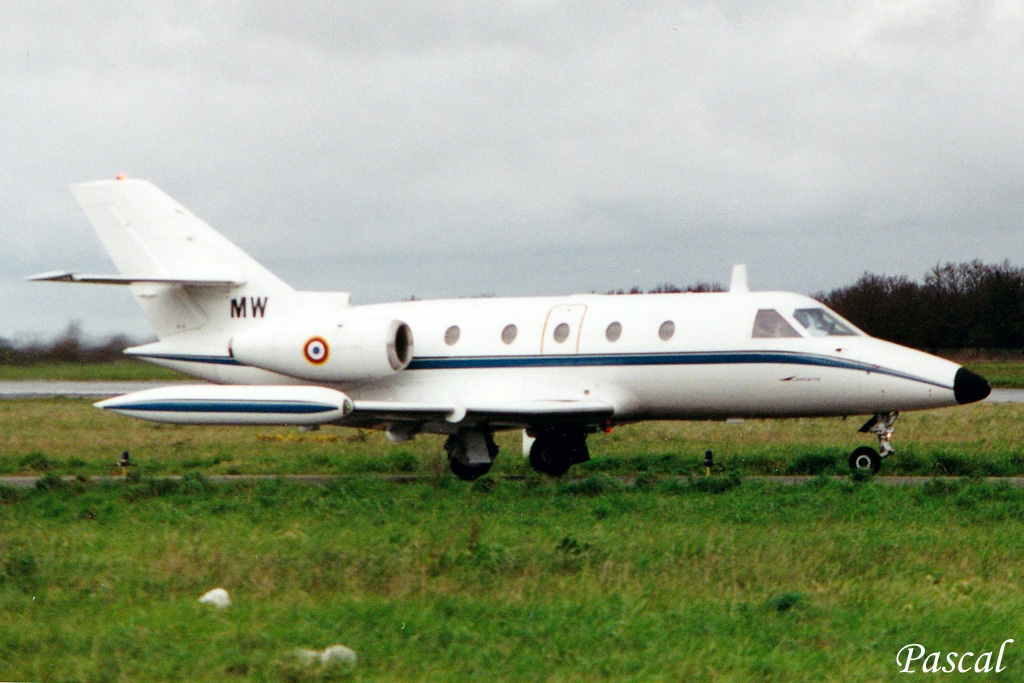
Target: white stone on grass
[(218, 597), (335, 654), (338, 653)]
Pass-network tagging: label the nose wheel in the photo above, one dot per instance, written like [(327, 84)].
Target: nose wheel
[(866, 460)]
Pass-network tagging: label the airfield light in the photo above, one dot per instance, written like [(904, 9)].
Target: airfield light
[(709, 462), (121, 176)]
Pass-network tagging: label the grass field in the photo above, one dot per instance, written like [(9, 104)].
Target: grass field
[(673, 578), (70, 437), (129, 370), (1001, 374), (525, 580)]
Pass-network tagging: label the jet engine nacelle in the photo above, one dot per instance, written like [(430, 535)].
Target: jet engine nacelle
[(350, 347)]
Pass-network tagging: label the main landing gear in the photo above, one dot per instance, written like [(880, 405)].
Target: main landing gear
[(866, 460), (558, 449), (471, 453)]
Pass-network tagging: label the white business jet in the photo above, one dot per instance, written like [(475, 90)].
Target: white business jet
[(558, 368)]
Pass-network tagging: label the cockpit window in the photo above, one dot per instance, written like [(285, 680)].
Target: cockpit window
[(820, 323), (769, 324)]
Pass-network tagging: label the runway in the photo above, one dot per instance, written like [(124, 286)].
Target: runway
[(60, 388), (55, 388)]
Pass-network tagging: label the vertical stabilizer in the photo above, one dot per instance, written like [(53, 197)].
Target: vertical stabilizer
[(184, 274)]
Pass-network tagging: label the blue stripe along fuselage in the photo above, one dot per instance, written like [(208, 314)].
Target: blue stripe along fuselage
[(618, 359), (227, 406), (679, 358)]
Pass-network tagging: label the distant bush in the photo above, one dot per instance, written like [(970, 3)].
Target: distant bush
[(69, 346), (970, 305)]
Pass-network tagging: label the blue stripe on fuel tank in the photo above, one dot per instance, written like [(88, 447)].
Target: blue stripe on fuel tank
[(225, 406)]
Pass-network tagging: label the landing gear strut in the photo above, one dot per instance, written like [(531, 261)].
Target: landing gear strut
[(471, 453), (867, 460), (556, 450)]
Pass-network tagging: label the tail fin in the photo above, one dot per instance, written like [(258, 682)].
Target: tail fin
[(184, 274)]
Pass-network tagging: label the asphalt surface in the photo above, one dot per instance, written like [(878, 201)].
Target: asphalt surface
[(53, 388)]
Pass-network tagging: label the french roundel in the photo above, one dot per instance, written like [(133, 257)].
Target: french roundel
[(316, 351)]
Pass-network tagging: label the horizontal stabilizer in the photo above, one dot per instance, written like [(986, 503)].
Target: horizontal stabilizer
[(66, 276)]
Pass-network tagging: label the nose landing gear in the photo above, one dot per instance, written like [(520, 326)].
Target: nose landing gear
[(867, 460)]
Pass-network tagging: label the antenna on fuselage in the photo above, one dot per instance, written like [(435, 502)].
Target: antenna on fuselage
[(739, 278)]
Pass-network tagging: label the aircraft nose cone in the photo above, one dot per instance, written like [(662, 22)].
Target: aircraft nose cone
[(969, 387)]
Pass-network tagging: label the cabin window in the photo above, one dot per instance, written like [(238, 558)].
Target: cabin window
[(667, 329), (508, 335), (451, 335), (613, 332), (770, 324), (820, 323), (561, 332)]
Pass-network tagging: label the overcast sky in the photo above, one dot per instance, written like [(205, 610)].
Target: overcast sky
[(440, 149)]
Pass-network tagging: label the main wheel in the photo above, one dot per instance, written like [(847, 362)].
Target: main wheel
[(458, 447), (467, 472), (555, 451), (865, 460), (547, 458)]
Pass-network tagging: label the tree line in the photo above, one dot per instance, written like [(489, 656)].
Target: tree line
[(968, 305), (70, 346)]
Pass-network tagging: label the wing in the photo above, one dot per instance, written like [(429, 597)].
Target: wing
[(443, 417)]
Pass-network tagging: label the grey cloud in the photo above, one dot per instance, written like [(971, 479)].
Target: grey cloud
[(399, 148)]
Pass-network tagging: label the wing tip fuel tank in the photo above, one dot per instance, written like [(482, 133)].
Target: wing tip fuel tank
[(234, 405)]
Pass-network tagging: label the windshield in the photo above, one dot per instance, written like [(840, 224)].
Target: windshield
[(821, 323), (769, 324)]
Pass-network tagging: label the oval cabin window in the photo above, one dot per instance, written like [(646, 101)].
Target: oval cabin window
[(613, 332), (451, 335), (561, 332), (667, 329), (508, 335)]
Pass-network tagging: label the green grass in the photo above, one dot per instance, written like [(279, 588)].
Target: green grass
[(69, 436), (521, 580), (1000, 374), (673, 578), (128, 369)]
